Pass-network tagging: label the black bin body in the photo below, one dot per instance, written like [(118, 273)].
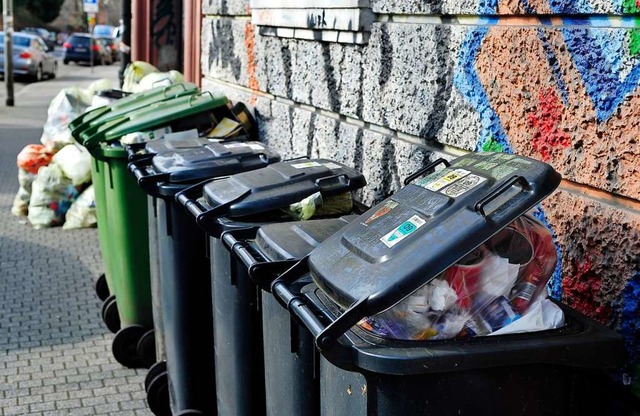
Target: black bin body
[(184, 302), (243, 201), (290, 361), (403, 243), (554, 372)]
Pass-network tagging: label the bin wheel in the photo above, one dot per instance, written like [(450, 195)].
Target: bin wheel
[(158, 395), (154, 371), (125, 343), (146, 349), (102, 289), (110, 314), (189, 412)]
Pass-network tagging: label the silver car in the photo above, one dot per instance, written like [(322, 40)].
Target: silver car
[(31, 57)]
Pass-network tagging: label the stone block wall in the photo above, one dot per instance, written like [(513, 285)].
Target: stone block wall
[(556, 80)]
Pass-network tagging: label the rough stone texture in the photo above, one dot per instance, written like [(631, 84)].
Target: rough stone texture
[(501, 7), (294, 132), (600, 245), (226, 7), (403, 79), (564, 99)]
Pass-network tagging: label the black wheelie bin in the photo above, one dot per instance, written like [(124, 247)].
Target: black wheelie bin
[(369, 277), (242, 201), (292, 385), (184, 271)]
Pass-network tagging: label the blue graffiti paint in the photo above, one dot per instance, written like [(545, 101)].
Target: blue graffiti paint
[(555, 283), (627, 322), (466, 80), (601, 79), (571, 7), (555, 67)]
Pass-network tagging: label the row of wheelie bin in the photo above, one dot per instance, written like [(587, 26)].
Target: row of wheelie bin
[(237, 309)]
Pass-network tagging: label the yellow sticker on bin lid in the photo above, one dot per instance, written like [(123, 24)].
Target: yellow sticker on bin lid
[(306, 165), (444, 180), (403, 231)]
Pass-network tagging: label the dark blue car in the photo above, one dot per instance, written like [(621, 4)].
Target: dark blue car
[(81, 47)]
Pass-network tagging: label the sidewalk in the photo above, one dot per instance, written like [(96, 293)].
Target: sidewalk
[(55, 352)]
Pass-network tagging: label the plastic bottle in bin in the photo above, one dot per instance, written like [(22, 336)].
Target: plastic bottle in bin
[(485, 291)]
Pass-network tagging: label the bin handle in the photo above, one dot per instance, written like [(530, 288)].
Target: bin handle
[(333, 183), (169, 87), (188, 198), (296, 158), (147, 181), (202, 94), (425, 169), (262, 272), (326, 336), (137, 151), (480, 205)]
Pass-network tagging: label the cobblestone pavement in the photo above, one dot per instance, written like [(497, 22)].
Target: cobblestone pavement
[(55, 352)]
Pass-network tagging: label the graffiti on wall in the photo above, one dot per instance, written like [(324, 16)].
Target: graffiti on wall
[(565, 96)]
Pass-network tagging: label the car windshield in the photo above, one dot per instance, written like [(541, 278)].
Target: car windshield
[(103, 30), (22, 41), (79, 41)]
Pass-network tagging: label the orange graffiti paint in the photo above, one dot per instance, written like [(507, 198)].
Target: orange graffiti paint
[(249, 43)]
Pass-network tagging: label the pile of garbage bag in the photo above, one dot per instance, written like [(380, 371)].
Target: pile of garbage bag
[(55, 175), (498, 288)]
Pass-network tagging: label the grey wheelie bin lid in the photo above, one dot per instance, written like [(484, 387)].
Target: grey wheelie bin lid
[(407, 240), (274, 187), (194, 164)]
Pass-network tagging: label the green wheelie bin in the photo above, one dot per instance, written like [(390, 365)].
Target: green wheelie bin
[(124, 211), (96, 117)]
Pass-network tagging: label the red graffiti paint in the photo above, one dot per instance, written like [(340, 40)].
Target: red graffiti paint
[(545, 121), (249, 42), (581, 291)]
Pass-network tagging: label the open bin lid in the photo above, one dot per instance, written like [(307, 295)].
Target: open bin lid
[(410, 238), (128, 104), (160, 114), (211, 160), (278, 186)]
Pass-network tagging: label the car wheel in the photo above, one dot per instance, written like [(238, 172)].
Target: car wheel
[(39, 74), (54, 72), (66, 62)]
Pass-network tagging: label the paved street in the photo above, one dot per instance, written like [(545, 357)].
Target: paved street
[(55, 352)]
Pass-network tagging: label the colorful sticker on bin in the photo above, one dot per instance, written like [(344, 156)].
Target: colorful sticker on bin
[(403, 231), (463, 186), (382, 211), (445, 180), (306, 165)]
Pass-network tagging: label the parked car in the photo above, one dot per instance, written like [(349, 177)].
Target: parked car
[(48, 37), (80, 47), (111, 46), (31, 57)]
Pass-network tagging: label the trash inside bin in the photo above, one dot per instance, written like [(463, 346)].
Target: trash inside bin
[(389, 254), (241, 201), (292, 385), (184, 292)]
